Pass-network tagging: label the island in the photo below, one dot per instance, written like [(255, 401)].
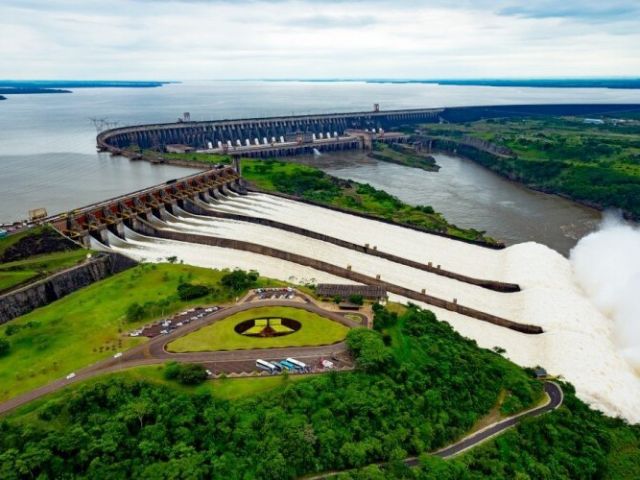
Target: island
[(19, 87)]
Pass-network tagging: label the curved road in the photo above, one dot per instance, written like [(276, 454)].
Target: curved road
[(154, 351), (555, 397)]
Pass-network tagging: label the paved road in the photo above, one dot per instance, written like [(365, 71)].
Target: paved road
[(555, 395), (554, 400), (154, 352)]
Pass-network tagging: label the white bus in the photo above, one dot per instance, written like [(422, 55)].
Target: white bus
[(264, 365), (297, 363)]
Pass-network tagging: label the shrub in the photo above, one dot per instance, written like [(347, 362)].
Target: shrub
[(185, 373), (369, 349), (383, 318), (135, 312), (356, 299), (239, 280), (5, 347), (12, 330), (189, 291), (420, 323)]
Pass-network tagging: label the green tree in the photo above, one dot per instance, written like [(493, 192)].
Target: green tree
[(189, 291), (356, 299), (135, 312), (240, 280)]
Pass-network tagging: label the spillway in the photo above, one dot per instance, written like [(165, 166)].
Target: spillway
[(578, 339)]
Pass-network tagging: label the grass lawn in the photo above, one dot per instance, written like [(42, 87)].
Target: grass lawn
[(315, 330), (88, 325), (234, 388), (14, 273)]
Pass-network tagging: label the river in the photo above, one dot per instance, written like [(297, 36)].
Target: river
[(48, 156), (472, 196)]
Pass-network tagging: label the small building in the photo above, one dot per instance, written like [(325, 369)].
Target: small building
[(178, 148), (37, 214), (369, 292), (540, 373)]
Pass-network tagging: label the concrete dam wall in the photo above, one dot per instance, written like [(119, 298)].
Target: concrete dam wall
[(54, 287), (199, 135)]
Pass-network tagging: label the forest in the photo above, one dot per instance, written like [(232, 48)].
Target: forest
[(595, 163), (418, 386)]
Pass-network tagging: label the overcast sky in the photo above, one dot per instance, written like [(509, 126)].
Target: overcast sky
[(216, 39)]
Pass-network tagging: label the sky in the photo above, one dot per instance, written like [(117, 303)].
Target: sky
[(246, 39)]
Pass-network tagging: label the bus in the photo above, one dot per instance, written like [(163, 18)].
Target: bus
[(288, 366), (297, 363), (267, 366)]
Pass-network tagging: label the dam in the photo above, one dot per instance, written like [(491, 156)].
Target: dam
[(271, 136), (149, 213)]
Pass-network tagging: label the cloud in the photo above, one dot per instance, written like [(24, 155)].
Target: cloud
[(584, 11), (191, 39), (331, 21)]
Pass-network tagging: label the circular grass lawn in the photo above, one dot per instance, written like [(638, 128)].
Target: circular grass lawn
[(221, 335)]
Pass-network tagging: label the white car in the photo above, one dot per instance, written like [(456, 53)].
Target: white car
[(117, 355), (327, 364), (209, 372), (71, 375), (179, 324)]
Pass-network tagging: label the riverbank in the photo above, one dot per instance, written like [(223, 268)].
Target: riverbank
[(404, 155), (596, 163)]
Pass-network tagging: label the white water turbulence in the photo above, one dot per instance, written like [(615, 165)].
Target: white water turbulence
[(606, 265)]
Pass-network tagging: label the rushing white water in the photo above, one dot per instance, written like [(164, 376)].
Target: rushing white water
[(578, 342), (607, 265)]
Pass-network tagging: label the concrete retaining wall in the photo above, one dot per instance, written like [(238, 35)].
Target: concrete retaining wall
[(22, 301)]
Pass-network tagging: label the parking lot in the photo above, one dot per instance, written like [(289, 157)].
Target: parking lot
[(168, 325)]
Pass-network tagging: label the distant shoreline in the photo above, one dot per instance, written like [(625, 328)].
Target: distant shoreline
[(18, 87), (613, 83)]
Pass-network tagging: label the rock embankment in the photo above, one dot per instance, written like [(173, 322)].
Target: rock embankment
[(54, 287), (39, 241)]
